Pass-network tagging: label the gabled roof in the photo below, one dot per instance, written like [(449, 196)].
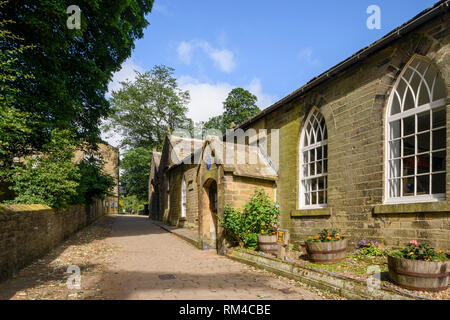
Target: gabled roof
[(248, 160), (437, 9)]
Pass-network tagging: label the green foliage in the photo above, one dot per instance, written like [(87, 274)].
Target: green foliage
[(239, 106), (49, 178), (146, 108), (71, 68), (416, 251), (326, 236), (136, 170), (370, 249), (94, 183), (131, 204), (259, 216), (14, 124)]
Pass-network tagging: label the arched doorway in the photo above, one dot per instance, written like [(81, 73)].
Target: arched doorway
[(209, 213)]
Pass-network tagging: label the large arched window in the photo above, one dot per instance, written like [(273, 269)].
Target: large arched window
[(313, 162), (416, 135)]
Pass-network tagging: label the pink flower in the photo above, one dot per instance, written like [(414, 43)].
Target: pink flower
[(414, 242), (274, 225)]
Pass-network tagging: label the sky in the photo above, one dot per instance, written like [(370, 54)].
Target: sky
[(270, 48)]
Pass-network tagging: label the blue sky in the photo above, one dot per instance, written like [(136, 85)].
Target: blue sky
[(268, 47)]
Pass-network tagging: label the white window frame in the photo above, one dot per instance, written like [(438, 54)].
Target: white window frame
[(432, 105), (183, 198), (314, 146)]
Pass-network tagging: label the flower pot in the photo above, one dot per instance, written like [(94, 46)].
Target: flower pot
[(327, 252), (268, 244), (418, 274)]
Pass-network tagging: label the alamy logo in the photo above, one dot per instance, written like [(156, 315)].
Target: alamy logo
[(74, 20), (74, 280), (374, 20)]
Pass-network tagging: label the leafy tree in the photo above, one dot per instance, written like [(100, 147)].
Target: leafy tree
[(136, 170), (71, 67), (94, 183), (50, 177), (239, 106), (145, 109), (14, 124), (131, 202)]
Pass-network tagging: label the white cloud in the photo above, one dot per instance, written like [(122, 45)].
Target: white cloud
[(207, 98), (126, 72), (307, 55), (223, 58), (184, 51)]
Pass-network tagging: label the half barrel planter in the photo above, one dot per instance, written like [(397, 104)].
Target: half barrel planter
[(268, 244), (327, 252), (419, 275)]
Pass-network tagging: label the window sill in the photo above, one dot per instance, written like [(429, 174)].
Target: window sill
[(320, 212), (419, 207)]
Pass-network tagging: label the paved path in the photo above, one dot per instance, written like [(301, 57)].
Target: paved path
[(147, 255)]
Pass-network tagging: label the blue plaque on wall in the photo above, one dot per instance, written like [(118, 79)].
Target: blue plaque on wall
[(208, 163)]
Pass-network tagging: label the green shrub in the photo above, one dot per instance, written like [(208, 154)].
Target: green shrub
[(370, 249), (259, 216), (325, 236), (49, 178)]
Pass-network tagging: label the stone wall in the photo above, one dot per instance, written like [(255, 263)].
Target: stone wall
[(354, 105), (27, 232)]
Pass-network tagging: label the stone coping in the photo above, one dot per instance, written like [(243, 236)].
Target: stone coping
[(323, 279), (320, 212), (424, 207), (14, 208)]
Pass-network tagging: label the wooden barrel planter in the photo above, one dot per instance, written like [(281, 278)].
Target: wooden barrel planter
[(327, 252), (419, 275), (268, 244)]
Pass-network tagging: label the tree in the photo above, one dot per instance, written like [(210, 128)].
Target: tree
[(145, 109), (51, 177), (240, 105), (94, 183), (71, 67), (14, 124), (136, 170)]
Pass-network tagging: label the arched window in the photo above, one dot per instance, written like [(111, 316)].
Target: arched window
[(183, 198), (416, 135), (313, 162)]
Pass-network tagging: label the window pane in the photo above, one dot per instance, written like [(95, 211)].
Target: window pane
[(409, 125), (439, 118), (313, 184), (408, 186), (321, 197), (439, 139), (321, 183), (319, 167), (408, 166), (319, 153), (424, 97), (423, 121), (307, 199), (438, 183), (439, 89), (394, 188), (305, 170), (312, 169), (438, 161), (312, 155), (409, 146), (423, 163), (305, 157), (395, 149), (394, 168), (395, 108), (313, 198), (423, 142), (325, 152), (409, 101), (395, 129), (423, 184), (325, 166)]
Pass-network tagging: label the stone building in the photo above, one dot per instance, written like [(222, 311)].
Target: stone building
[(361, 148)]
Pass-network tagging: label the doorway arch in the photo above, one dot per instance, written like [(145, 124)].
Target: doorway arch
[(209, 213)]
